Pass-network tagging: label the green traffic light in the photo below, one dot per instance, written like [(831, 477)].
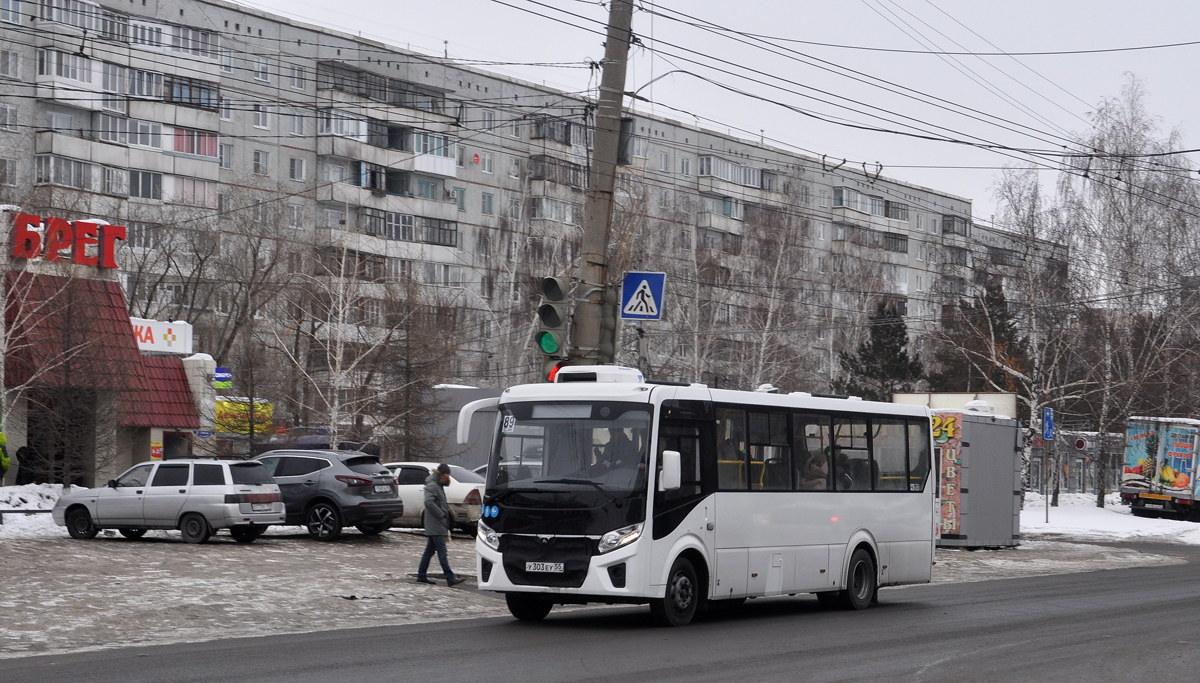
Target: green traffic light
[(547, 343)]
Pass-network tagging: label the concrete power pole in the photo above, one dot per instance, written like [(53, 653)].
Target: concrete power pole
[(593, 341)]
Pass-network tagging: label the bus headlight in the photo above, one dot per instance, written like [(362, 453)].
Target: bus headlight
[(490, 538), (623, 536)]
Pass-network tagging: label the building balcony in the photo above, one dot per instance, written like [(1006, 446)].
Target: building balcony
[(716, 221), (724, 188)]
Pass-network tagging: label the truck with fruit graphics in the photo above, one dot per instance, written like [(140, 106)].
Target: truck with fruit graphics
[(1159, 476)]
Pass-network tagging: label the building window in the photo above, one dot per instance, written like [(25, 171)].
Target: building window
[(296, 124), (146, 236), (194, 41), (260, 116), (295, 76), (226, 59), (488, 204), (685, 166), (145, 185), (10, 11), (64, 65), (640, 146), (62, 171), (920, 222), (200, 143), (489, 119), (485, 162), (429, 189), (956, 225), (190, 92), (261, 160), (460, 198), (514, 168), (226, 110), (262, 69), (8, 172), (194, 192), (296, 169), (145, 134), (145, 34), (664, 162), (10, 63), (895, 242), (460, 157), (84, 15), (295, 215), (8, 117), (514, 209), (514, 128)]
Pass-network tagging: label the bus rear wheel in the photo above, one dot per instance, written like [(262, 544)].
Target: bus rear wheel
[(678, 606), (860, 582), (527, 607)]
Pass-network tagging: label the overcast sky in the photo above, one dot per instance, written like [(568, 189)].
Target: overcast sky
[(1043, 99)]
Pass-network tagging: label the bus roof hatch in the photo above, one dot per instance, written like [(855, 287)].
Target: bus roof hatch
[(599, 373)]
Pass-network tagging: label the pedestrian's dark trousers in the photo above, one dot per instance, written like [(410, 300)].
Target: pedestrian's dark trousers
[(438, 544)]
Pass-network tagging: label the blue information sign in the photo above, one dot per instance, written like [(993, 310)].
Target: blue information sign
[(1048, 424), (642, 295)]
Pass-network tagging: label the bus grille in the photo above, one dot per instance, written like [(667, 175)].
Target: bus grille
[(574, 553)]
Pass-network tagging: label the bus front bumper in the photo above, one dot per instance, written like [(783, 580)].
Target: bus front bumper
[(617, 576)]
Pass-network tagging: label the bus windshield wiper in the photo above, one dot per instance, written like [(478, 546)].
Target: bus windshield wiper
[(568, 480)]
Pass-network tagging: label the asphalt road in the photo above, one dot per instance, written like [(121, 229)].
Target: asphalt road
[(1118, 625)]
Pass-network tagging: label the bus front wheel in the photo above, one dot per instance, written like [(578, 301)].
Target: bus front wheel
[(682, 596), (527, 607), (860, 582)]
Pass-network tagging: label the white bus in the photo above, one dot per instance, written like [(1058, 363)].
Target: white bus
[(743, 494)]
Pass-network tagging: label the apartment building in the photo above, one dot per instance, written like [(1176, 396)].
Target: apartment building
[(201, 123)]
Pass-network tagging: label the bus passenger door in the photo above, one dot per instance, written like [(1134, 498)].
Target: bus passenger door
[(683, 427)]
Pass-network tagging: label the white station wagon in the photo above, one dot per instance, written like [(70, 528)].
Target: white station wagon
[(195, 496)]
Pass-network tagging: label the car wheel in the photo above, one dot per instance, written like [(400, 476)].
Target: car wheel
[(682, 595), (194, 528), (323, 522), (527, 607), (132, 533), (246, 534), (860, 582), (80, 525), (373, 529)]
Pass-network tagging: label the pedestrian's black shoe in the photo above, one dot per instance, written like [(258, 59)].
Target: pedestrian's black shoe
[(455, 581), (422, 579)]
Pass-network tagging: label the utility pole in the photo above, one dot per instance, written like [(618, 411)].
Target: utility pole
[(591, 300)]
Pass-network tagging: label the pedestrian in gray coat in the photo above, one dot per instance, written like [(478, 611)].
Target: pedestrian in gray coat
[(438, 519)]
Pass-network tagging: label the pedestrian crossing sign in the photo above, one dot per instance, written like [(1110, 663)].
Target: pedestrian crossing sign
[(642, 295)]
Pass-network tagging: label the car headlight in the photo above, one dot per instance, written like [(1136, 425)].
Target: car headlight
[(623, 536), (489, 537)]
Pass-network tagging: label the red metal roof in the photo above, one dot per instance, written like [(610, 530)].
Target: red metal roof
[(75, 333)]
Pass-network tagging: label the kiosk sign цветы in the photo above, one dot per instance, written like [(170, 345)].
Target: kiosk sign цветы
[(33, 236)]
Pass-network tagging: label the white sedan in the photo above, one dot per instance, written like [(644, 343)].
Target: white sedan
[(464, 494)]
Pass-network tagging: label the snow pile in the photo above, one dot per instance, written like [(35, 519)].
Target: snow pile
[(30, 497), (1078, 517)]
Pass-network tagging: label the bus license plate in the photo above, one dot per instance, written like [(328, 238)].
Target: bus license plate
[(260, 507), (544, 567), (383, 488)]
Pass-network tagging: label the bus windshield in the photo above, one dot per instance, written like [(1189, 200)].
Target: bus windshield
[(561, 446)]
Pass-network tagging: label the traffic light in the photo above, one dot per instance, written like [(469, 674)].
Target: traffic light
[(550, 368), (551, 337)]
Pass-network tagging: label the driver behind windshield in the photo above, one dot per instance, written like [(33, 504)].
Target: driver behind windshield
[(620, 464)]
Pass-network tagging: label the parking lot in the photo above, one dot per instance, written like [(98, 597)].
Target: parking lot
[(62, 595)]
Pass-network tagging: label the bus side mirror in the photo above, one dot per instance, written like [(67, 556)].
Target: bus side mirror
[(668, 477)]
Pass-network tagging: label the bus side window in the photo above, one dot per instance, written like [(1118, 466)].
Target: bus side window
[(810, 434), (770, 455), (851, 455), (731, 449), (918, 454), (685, 438), (888, 442)]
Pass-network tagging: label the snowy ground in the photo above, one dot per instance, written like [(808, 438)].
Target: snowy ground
[(62, 595)]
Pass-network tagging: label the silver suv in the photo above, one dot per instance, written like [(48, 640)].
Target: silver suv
[(327, 490), (195, 496)]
